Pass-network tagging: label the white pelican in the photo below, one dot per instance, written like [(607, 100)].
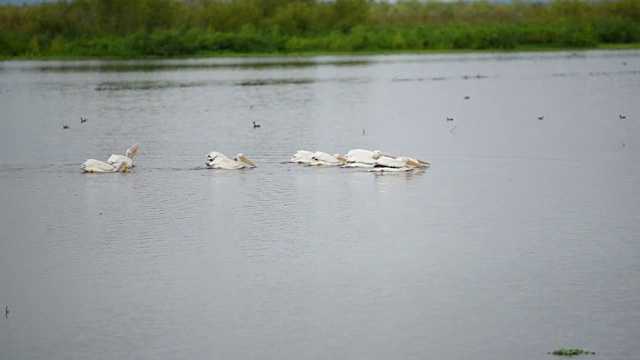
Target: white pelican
[(320, 158), (128, 156), (216, 160), (385, 163), (302, 157), (97, 166), (363, 158)]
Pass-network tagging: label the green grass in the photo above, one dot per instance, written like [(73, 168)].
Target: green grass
[(572, 352)]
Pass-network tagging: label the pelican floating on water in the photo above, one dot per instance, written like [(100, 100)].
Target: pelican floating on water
[(97, 166), (363, 158), (320, 158), (385, 163), (317, 158), (216, 160), (127, 157), (302, 157)]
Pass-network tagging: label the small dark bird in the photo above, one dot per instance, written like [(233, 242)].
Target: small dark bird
[(362, 132), (624, 63), (65, 126), (255, 125), (6, 311), (540, 117), (467, 98), (449, 119), (622, 116), (83, 120), (623, 144)]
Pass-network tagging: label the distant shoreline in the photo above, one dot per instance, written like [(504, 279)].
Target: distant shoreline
[(140, 29), (605, 47)]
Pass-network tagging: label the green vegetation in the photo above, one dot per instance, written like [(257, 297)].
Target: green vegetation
[(170, 28), (572, 352)]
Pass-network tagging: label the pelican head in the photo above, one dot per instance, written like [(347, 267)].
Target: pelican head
[(414, 162), (241, 158), (131, 152)]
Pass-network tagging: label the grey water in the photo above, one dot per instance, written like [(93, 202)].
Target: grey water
[(521, 238)]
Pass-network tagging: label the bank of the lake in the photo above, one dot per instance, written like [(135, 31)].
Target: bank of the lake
[(169, 28)]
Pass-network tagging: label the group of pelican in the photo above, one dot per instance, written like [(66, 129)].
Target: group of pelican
[(375, 160), (115, 163)]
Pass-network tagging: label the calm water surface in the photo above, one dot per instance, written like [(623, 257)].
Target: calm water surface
[(523, 236)]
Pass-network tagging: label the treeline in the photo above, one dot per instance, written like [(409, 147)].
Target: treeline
[(139, 28)]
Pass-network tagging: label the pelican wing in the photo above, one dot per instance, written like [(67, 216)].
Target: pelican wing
[(365, 156), (361, 159), (323, 158), (359, 152), (388, 162), (114, 159), (226, 164), (96, 166), (302, 157), (215, 154), (131, 152)]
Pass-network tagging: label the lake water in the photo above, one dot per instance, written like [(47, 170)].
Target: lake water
[(522, 237)]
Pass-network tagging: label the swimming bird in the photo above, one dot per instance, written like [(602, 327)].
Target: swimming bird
[(622, 116), (216, 160), (302, 157), (385, 163), (467, 97), (362, 132), (97, 166), (129, 154), (363, 157), (83, 120), (65, 126), (320, 158), (449, 119), (6, 311), (255, 125), (540, 117)]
